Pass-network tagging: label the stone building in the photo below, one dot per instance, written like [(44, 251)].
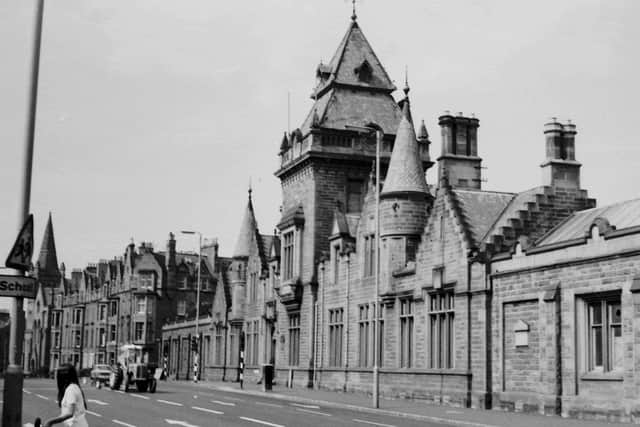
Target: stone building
[(486, 299), (42, 317), (83, 319), (564, 318)]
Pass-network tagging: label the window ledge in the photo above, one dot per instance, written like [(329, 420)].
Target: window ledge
[(406, 271), (602, 376)]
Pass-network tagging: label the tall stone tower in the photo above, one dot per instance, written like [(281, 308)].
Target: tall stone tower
[(326, 162), (404, 203)]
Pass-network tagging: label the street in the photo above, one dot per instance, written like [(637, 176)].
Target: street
[(188, 405)]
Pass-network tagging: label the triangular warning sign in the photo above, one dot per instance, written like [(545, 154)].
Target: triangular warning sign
[(20, 255)]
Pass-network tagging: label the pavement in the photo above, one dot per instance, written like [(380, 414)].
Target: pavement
[(182, 403)]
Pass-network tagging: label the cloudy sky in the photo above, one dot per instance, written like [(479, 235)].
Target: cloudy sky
[(154, 115)]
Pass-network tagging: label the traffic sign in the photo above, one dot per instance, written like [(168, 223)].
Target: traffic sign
[(20, 255), (17, 286)]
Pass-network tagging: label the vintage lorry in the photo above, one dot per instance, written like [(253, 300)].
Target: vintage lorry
[(131, 369)]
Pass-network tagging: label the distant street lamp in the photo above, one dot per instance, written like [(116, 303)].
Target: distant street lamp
[(370, 128), (196, 352)]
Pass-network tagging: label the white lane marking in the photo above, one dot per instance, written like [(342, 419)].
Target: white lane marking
[(266, 423), (234, 399), (168, 402), (95, 414), (180, 423), (269, 404), (99, 402), (309, 411), (27, 425), (122, 423), (219, 402), (140, 396), (42, 397), (211, 411), (119, 391), (27, 391), (305, 406), (372, 423)]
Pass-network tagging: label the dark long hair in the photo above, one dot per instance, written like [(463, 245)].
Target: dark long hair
[(66, 375)]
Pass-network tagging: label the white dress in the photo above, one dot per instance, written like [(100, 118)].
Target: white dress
[(73, 403)]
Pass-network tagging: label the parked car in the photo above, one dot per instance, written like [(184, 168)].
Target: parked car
[(100, 374)]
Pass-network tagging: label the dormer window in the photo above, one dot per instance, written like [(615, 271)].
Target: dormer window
[(147, 281), (364, 71)]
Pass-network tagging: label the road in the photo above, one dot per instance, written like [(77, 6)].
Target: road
[(183, 404)]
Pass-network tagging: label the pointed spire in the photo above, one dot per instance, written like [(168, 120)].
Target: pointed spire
[(405, 174), (423, 135), (247, 231), (48, 258), (406, 82), (406, 111), (354, 17)]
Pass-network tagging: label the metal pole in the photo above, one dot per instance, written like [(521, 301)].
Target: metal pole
[(197, 352), (376, 338), (12, 393)]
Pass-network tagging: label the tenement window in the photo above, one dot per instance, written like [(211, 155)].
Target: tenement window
[(363, 335), (182, 307), (141, 304), (139, 331), (603, 334), (335, 256), (369, 255), (146, 281), (335, 336), (252, 343), (354, 195), (380, 335), (287, 255), (294, 339), (441, 318), (406, 333), (218, 344)]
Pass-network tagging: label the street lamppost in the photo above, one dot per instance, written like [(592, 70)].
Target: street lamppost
[(13, 380), (370, 128), (196, 353)]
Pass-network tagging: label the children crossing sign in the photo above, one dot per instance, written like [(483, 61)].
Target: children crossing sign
[(22, 251)]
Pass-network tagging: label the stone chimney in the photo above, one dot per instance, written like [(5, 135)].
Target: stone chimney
[(560, 168), (459, 158)]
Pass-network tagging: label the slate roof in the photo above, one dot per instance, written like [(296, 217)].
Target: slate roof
[(247, 231), (405, 173), (510, 211), (265, 241), (620, 215), (48, 258), (340, 107), (480, 210), (352, 52)]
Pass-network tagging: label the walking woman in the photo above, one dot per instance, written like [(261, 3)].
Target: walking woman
[(70, 399)]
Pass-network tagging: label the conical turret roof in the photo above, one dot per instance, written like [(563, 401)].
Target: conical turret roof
[(405, 174), (247, 231), (48, 258)]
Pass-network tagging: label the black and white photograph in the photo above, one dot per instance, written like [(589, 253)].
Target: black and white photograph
[(291, 213)]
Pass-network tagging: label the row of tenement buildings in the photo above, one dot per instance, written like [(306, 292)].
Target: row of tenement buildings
[(522, 301)]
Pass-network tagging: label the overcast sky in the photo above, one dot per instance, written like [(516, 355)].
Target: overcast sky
[(153, 115)]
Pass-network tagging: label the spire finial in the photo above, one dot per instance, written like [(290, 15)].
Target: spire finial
[(353, 15), (250, 188), (406, 81)]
